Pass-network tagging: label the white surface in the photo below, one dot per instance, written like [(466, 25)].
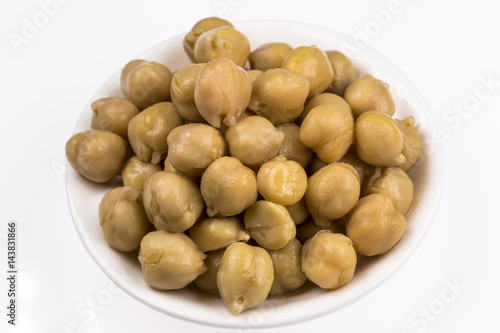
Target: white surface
[(448, 49)]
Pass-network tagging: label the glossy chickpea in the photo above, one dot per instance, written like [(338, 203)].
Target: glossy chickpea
[(148, 131), (145, 82), (96, 154), (169, 260)]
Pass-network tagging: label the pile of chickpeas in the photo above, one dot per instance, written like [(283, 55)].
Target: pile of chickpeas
[(249, 180)]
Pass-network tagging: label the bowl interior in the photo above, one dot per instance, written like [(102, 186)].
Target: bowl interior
[(309, 302)]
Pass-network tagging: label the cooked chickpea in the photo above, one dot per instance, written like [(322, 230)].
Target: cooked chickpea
[(168, 166), (123, 219), (329, 131), (412, 143), (228, 187), (379, 140), (172, 202), (279, 95), (213, 233), (322, 99), (222, 42), (182, 92), (113, 114), (367, 93), (96, 154), (332, 192), (298, 211), (374, 226), (207, 282), (395, 184), (198, 29), (270, 224), (245, 276), (222, 92), (283, 182), (287, 264), (268, 56), (352, 158), (291, 147), (315, 164), (344, 72), (170, 260), (148, 131), (253, 140), (192, 147), (329, 260), (308, 229), (145, 82), (313, 64), (254, 73), (135, 172)]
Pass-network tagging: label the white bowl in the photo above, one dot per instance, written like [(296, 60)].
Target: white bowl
[(310, 301)]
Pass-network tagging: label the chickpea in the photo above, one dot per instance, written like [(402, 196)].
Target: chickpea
[(352, 158), (222, 92), (207, 282), (279, 95), (135, 172), (96, 154), (253, 140), (291, 147), (182, 92), (367, 93), (192, 147), (145, 82), (268, 56), (123, 219), (313, 64), (170, 260), (395, 184), (379, 140), (172, 202), (269, 224), (329, 260), (245, 276), (148, 131), (287, 264), (329, 131), (322, 99), (308, 229), (168, 166), (315, 165), (332, 192), (412, 143), (113, 114), (198, 29), (374, 226), (344, 72), (228, 187), (212, 233), (222, 42), (298, 211), (254, 73), (283, 182)]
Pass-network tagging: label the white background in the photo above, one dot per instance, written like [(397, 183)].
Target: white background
[(447, 48)]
